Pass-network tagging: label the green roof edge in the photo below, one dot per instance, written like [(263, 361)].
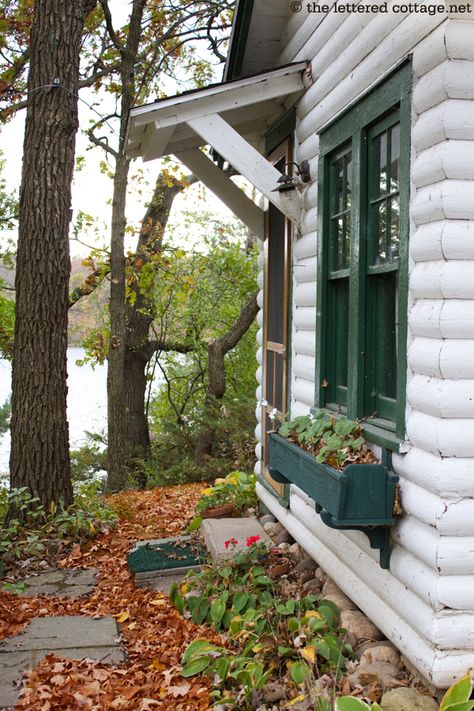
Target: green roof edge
[(243, 15)]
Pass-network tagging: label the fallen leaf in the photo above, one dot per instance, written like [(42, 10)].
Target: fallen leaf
[(309, 653), (123, 616)]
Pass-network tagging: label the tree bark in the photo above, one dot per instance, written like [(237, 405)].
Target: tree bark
[(216, 381), (116, 472), (39, 428), (139, 317)]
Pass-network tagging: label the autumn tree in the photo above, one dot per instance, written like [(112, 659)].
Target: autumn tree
[(156, 40), (127, 62), (39, 428)]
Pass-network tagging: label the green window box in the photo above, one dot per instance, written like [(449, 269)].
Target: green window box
[(361, 497)]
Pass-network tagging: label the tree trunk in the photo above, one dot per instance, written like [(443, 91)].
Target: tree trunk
[(216, 382), (39, 429), (139, 317), (116, 357), (116, 472)]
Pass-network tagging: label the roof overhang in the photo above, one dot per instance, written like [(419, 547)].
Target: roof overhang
[(228, 117), (249, 105)]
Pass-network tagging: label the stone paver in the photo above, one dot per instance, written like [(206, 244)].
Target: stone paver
[(68, 583), (162, 583), (74, 637), (216, 531)]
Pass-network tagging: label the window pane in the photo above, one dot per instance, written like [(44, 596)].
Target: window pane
[(380, 232), (338, 187), (379, 146), (269, 378), (278, 399), (347, 242), (386, 346), (338, 243), (337, 350), (340, 214), (395, 158), (381, 345), (348, 182), (394, 228), (276, 277)]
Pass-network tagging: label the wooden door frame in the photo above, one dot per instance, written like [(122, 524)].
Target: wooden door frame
[(283, 151)]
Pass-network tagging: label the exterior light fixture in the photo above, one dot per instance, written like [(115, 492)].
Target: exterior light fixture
[(288, 182)]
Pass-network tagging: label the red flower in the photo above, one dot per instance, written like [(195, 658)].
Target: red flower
[(251, 540), (231, 542)]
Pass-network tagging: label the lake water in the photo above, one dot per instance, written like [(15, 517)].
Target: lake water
[(87, 401)]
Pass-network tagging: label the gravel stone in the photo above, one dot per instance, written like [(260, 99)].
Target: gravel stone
[(379, 652), (387, 675), (405, 699), (356, 622), (283, 537), (306, 564)]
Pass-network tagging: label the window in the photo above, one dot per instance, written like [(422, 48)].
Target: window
[(362, 265)]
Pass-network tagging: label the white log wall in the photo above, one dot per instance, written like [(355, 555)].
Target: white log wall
[(425, 603)]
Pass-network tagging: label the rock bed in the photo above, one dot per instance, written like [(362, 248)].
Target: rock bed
[(378, 669)]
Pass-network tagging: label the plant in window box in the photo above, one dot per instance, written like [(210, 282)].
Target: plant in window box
[(327, 457)]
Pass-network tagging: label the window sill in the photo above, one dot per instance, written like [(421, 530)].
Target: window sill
[(383, 437)]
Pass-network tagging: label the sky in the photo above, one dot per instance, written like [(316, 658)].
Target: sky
[(92, 190)]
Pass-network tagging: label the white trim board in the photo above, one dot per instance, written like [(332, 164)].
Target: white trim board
[(146, 123)]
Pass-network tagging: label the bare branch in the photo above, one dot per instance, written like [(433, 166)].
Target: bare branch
[(102, 144), (110, 28)]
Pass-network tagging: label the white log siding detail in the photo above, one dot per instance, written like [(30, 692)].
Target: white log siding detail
[(425, 602), (443, 280), (451, 119), (450, 239)]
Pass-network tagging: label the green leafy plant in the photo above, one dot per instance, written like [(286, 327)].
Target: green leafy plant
[(458, 696), (5, 411), (237, 488), (350, 703), (267, 636), (334, 441), (40, 533)]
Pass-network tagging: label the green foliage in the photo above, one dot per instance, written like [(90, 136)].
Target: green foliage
[(197, 297), (5, 411), (458, 697), (37, 533), (268, 637), (350, 703), (334, 441), (237, 488), (89, 459)]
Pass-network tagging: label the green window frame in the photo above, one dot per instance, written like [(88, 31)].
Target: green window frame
[(363, 194)]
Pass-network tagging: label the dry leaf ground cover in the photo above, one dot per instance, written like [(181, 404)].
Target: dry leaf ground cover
[(154, 633)]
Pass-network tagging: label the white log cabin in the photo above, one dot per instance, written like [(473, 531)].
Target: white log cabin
[(367, 277)]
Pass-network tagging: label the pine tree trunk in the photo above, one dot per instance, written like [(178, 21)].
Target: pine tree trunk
[(39, 429)]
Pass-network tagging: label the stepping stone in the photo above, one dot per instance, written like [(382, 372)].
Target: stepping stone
[(61, 581), (162, 583), (157, 563), (218, 530), (75, 637)]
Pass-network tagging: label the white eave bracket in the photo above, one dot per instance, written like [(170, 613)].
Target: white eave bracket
[(221, 185), (225, 116), (247, 161)]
